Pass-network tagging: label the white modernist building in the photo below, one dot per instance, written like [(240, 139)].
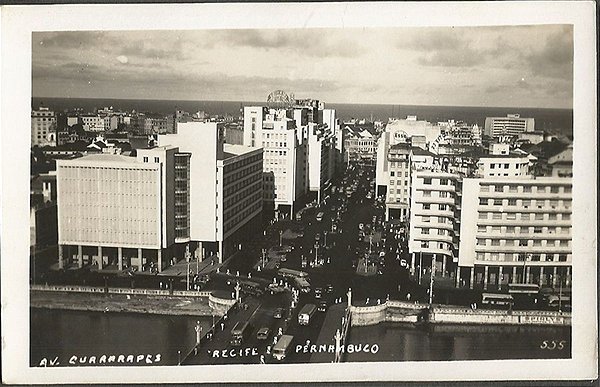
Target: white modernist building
[(515, 230)]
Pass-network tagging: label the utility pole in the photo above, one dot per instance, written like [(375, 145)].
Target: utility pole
[(420, 266), (280, 237), (431, 283)]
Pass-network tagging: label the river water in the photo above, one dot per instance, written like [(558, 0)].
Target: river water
[(458, 342), (65, 334), (68, 334)]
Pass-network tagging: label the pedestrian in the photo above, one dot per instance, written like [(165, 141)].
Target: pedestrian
[(262, 359), (367, 301), (408, 296), (222, 326)]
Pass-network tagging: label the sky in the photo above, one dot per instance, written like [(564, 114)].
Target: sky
[(512, 66)]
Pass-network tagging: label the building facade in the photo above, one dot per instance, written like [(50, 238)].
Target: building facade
[(510, 126), (43, 127), (515, 231)]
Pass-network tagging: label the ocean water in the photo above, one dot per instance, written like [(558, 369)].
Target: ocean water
[(553, 120)]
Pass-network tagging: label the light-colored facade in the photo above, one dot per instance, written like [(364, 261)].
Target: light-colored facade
[(398, 190), (562, 163), (510, 126), (502, 163), (515, 231), (116, 210), (92, 123), (224, 182), (434, 220), (280, 132), (43, 127)]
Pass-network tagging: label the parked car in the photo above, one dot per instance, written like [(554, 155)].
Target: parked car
[(278, 313), (329, 288), (318, 292), (322, 306)]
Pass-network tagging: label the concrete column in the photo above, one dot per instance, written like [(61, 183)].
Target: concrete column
[(527, 274), (457, 276), (61, 263), (514, 275), (485, 277), (499, 277), (220, 251), (140, 259), (120, 254), (541, 275), (100, 261), (567, 279), (472, 277), (555, 277), (159, 254), (80, 255), (433, 263), (412, 263), (444, 266), (387, 214)]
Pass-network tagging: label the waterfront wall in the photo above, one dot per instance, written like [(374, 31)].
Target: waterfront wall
[(220, 306), (459, 315), (390, 311), (100, 290)]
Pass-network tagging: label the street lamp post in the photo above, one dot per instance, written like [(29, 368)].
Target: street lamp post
[(420, 266), (280, 237)]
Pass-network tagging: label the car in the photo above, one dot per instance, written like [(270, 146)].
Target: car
[(329, 288), (318, 292), (278, 313), (275, 288), (263, 333), (322, 306), (317, 237), (361, 226)]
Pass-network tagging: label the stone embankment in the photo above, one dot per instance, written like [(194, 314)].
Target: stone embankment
[(153, 301), (405, 312)]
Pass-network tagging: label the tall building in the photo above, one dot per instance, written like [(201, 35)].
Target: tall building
[(502, 162), (281, 135), (398, 190), (435, 220), (115, 210), (225, 187), (515, 230), (509, 126), (43, 127)]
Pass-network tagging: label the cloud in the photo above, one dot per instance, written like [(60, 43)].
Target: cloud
[(555, 58), (305, 42), (122, 59)]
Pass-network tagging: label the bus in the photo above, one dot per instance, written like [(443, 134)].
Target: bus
[(282, 347), (497, 300), (291, 273), (302, 284), (238, 332), (529, 289), (306, 313)]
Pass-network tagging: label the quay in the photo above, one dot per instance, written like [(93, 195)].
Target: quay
[(100, 299)]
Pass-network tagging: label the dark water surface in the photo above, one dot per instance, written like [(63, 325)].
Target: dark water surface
[(64, 333), (452, 342)]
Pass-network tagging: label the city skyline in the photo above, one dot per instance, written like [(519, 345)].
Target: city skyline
[(528, 66)]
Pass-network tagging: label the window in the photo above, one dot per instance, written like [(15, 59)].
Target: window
[(497, 216), (562, 258), (512, 202), (483, 215), (427, 180), (549, 257), (443, 181), (523, 242), (481, 229), (526, 203), (426, 206), (498, 188), (492, 166), (156, 160), (495, 228), (443, 194), (427, 194), (554, 189), (392, 173), (511, 216), (535, 257), (424, 231), (145, 159), (524, 216), (551, 216), (497, 202), (524, 230), (505, 166), (537, 230), (480, 242), (527, 188), (539, 216), (510, 230), (442, 207), (392, 182), (426, 219), (495, 242)]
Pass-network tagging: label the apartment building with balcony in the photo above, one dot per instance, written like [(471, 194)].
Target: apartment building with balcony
[(510, 126), (515, 230), (435, 220)]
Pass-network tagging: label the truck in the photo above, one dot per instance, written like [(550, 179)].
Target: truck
[(306, 313), (282, 347)]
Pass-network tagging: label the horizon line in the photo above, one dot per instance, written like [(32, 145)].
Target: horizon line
[(335, 103)]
